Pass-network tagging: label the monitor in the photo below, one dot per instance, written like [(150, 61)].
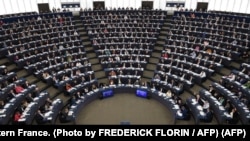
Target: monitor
[(107, 93), (142, 93)]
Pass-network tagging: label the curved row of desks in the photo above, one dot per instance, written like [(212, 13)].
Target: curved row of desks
[(74, 110)]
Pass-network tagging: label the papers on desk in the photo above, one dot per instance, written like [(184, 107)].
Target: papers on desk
[(221, 108), (7, 105), (36, 99), (2, 115), (91, 92), (21, 119), (2, 111), (176, 107), (70, 113), (202, 113), (227, 115), (199, 107), (78, 101), (136, 85), (96, 90), (216, 101), (194, 101), (112, 85), (73, 106), (245, 108), (179, 113), (48, 113), (12, 100)]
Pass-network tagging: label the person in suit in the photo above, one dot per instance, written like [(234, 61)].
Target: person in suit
[(36, 92), (211, 89), (63, 116), (29, 98), (234, 116), (55, 82), (23, 106), (245, 56), (26, 84), (183, 114), (208, 117), (73, 100), (11, 95), (199, 99), (5, 72), (40, 118)]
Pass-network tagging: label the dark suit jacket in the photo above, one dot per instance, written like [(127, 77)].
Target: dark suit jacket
[(40, 119)]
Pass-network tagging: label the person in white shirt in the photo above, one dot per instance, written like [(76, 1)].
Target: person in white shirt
[(64, 34), (78, 64), (231, 77), (39, 18), (169, 93), (75, 33), (117, 58)]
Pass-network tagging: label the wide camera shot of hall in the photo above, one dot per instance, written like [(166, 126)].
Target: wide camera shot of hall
[(124, 62)]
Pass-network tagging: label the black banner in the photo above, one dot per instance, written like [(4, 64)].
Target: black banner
[(103, 131)]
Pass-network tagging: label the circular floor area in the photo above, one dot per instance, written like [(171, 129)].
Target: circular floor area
[(126, 108)]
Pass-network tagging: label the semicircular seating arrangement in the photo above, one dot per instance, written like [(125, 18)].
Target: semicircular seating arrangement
[(123, 40), (48, 47), (198, 47)]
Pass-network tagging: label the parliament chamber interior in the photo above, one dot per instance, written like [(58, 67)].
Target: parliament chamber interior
[(58, 56)]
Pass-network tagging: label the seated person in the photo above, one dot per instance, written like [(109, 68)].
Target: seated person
[(29, 98), (46, 107), (40, 118), (18, 89), (68, 87), (247, 85), (72, 100), (16, 117), (211, 89), (183, 113), (245, 55), (11, 95), (242, 80), (231, 76), (208, 117), (112, 73), (63, 116), (199, 99), (45, 75), (234, 116), (23, 106), (26, 84), (169, 93), (5, 72), (1, 104), (206, 106)]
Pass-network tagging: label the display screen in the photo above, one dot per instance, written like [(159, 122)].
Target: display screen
[(142, 93), (107, 93)]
